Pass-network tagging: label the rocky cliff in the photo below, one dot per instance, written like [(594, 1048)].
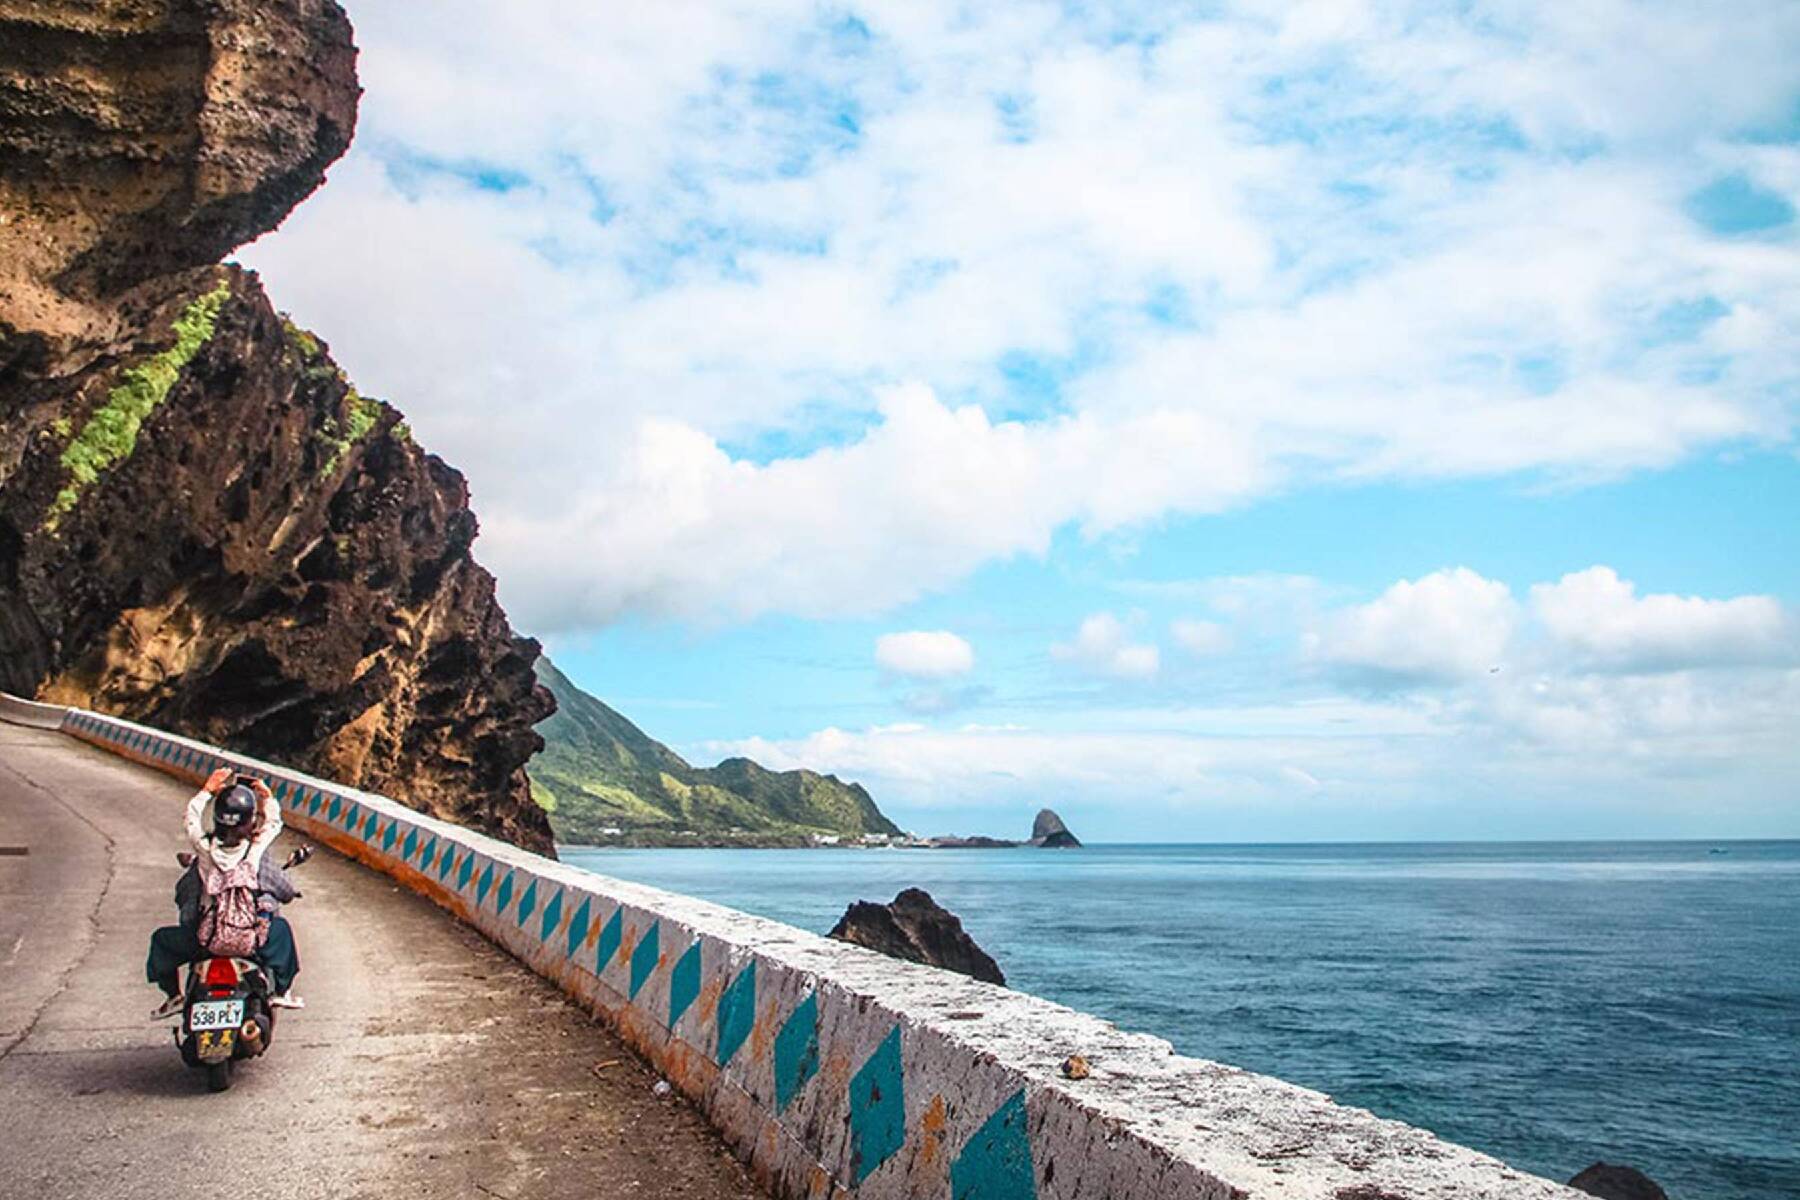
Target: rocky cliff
[(202, 524)]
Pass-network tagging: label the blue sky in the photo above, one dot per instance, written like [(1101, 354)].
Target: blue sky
[(1276, 422)]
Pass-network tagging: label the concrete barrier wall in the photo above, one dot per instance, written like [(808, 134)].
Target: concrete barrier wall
[(834, 1071), (30, 712)]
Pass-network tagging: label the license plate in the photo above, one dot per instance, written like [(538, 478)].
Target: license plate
[(215, 1014)]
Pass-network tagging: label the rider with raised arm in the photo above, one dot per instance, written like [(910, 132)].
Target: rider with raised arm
[(228, 858)]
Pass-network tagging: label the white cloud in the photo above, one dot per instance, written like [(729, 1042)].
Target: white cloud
[(675, 525), (935, 701), (1609, 711), (1202, 639), (727, 232), (924, 654), (1447, 625), (1665, 730), (1596, 755), (1103, 645), (926, 767), (1599, 620)]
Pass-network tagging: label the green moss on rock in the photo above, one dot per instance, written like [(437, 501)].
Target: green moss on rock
[(360, 417), (110, 434), (301, 341)]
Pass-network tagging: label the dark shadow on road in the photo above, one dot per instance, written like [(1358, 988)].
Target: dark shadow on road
[(154, 1071)]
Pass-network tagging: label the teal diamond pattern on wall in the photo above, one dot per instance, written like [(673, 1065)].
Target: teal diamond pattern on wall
[(610, 935), (684, 983), (797, 1051), (996, 1162), (552, 914), (877, 1109), (737, 1013), (644, 956), (578, 926)]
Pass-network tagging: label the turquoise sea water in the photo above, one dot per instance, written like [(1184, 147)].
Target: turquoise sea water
[(1552, 1004)]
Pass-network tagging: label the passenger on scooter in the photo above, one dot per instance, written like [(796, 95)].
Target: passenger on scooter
[(229, 857), (274, 886)]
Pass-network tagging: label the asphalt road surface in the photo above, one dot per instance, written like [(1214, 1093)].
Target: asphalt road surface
[(426, 1063)]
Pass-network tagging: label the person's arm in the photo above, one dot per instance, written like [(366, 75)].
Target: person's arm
[(275, 883), (196, 809), (268, 818)]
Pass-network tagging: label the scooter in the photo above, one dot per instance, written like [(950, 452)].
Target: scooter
[(226, 1016)]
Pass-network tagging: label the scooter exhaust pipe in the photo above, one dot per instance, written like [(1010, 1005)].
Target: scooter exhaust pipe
[(252, 1032)]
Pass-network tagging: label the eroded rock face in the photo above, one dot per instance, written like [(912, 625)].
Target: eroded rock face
[(139, 138), (202, 525), (917, 928)]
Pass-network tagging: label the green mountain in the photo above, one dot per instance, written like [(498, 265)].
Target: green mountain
[(598, 771)]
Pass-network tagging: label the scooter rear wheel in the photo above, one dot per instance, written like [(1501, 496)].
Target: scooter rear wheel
[(218, 1076)]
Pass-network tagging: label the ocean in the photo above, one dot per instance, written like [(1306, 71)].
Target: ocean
[(1548, 1003)]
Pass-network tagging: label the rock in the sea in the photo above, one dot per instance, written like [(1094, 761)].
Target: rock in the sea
[(1614, 1182), (917, 928), (1049, 833), (203, 526)]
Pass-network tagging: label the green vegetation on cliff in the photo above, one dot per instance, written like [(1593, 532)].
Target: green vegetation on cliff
[(598, 771), (359, 415), (110, 434)]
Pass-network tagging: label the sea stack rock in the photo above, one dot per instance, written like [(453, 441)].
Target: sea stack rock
[(1613, 1182), (1049, 833), (917, 928)]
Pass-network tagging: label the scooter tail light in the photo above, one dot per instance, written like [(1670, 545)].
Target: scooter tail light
[(221, 973)]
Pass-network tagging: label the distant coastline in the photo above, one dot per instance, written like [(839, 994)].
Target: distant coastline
[(1047, 833), (657, 839)]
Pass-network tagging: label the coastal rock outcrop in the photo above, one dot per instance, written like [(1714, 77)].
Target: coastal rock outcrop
[(203, 525), (917, 928), (1049, 833), (1613, 1182)]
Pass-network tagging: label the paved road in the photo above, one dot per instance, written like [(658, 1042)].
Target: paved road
[(427, 1063)]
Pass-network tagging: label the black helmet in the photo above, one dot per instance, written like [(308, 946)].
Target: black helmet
[(234, 809)]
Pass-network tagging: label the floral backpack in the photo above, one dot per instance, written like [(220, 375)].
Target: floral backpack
[(231, 927)]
